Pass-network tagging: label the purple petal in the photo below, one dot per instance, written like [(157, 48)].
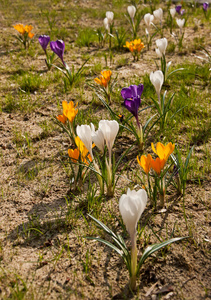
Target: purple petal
[(205, 6), (133, 105), (44, 40)]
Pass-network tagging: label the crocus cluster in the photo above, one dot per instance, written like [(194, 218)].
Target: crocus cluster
[(44, 41), (24, 30), (135, 47), (104, 79), (24, 33), (69, 112), (147, 163)]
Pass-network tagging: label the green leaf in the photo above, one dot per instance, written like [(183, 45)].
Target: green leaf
[(153, 248), (120, 252)]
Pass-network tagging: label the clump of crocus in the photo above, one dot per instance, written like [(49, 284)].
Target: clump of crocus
[(44, 41), (147, 163), (105, 135), (132, 101), (66, 120), (104, 85), (131, 206), (58, 48), (25, 34), (135, 47)]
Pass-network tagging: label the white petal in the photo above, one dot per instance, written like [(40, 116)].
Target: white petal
[(131, 11), (84, 132)]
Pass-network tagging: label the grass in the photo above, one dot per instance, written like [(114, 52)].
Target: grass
[(44, 220)]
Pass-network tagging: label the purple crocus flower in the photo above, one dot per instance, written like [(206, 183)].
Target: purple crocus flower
[(132, 98), (44, 40), (58, 48), (178, 8), (205, 6)]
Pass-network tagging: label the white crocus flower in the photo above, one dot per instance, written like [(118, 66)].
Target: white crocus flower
[(131, 11), (110, 130), (162, 45), (131, 206), (110, 17), (180, 22), (85, 134), (172, 12), (157, 79), (98, 138), (158, 14), (148, 19), (106, 25)]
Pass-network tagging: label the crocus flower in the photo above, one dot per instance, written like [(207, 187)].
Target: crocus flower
[(85, 134), (132, 98), (158, 165), (131, 206), (83, 150), (44, 40), (163, 151), (148, 19), (173, 11), (157, 79), (158, 14), (180, 23), (162, 45), (178, 8), (69, 110), (205, 6), (131, 11), (58, 48), (98, 138), (145, 162), (74, 154), (110, 130), (106, 24), (104, 79), (182, 12), (110, 17), (62, 118)]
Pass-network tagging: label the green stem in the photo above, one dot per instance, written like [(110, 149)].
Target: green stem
[(133, 261)]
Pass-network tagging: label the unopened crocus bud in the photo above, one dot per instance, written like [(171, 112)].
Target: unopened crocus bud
[(180, 23), (110, 17), (205, 6), (148, 19), (131, 206), (44, 40), (162, 45), (131, 11), (158, 14), (58, 48), (157, 79), (172, 12)]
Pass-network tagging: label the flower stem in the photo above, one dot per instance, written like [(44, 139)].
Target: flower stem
[(133, 261)]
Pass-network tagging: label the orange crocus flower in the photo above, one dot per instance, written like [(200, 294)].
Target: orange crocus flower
[(104, 79), (145, 162), (62, 118), (69, 110), (158, 165), (163, 151), (74, 154)]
